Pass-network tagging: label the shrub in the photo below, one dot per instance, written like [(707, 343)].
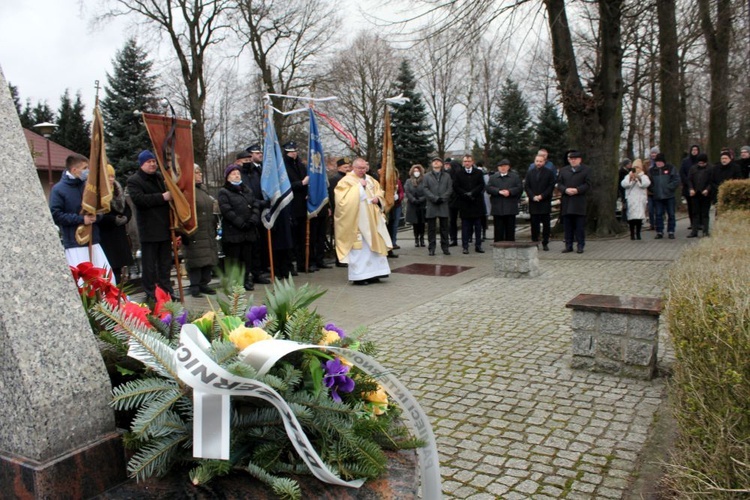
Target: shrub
[(734, 195), (708, 312)]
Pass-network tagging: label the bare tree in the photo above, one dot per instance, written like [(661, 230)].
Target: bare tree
[(487, 73), (669, 78), (442, 79), (362, 76), (717, 33), (192, 27), (286, 38)]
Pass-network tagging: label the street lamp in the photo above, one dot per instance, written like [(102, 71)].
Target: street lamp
[(47, 129)]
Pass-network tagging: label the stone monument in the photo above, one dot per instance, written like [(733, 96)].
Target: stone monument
[(57, 432)]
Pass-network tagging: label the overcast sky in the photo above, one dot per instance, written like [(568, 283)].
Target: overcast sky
[(47, 46)]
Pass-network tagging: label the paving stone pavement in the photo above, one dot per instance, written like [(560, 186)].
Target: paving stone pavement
[(488, 359)]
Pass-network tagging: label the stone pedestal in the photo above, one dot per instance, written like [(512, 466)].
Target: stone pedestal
[(54, 388), (616, 334), (515, 259)]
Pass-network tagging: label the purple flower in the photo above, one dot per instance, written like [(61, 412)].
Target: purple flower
[(167, 319), (256, 316), (333, 328), (336, 379), (182, 317)]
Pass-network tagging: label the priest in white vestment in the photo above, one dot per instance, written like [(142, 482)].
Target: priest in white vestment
[(362, 239)]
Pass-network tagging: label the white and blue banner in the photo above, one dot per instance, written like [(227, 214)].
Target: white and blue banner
[(317, 195), (274, 181)]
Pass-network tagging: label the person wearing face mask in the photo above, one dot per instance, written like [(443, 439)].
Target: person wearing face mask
[(240, 221), (65, 205), (416, 203), (112, 228)]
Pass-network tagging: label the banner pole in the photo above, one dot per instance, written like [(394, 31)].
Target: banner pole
[(176, 255), (270, 253), (307, 246)]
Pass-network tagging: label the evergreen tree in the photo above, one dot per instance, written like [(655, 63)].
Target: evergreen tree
[(73, 131), (412, 138), (131, 87), (27, 116), (40, 113), (513, 132), (551, 133), (16, 98)]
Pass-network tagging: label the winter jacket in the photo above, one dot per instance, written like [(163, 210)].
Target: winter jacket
[(114, 236), (65, 205), (539, 181), (416, 203), (504, 205), (200, 247), (469, 193), (240, 216), (573, 204), (664, 181), (438, 189), (297, 173), (700, 179), (636, 195), (152, 212)]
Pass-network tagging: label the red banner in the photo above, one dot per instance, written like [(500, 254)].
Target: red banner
[(172, 139)]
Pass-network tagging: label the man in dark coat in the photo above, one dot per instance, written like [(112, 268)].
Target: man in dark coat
[(744, 162), (151, 199), (700, 190), (299, 180), (438, 189), (664, 180), (251, 171), (452, 166), (504, 188), (723, 171), (468, 188), (539, 186), (573, 182), (685, 167)]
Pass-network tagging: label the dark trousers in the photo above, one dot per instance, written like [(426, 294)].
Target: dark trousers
[(318, 238), (544, 220), (418, 228), (260, 261), (239, 254), (651, 212), (471, 225), (663, 206), (299, 237), (701, 212), (453, 214), (432, 238), (690, 202), (156, 257), (635, 228), (199, 277), (505, 227), (575, 230)]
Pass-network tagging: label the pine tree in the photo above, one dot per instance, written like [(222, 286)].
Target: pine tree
[(412, 138), (73, 131), (551, 133), (40, 113), (512, 133), (131, 87)]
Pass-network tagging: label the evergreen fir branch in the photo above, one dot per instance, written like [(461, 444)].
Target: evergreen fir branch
[(140, 392), (156, 457), (287, 489), (167, 423), (208, 469), (113, 342), (184, 407), (222, 351), (151, 347), (149, 415), (284, 299)]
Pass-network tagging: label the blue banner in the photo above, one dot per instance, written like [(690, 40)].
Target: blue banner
[(317, 195), (274, 181)]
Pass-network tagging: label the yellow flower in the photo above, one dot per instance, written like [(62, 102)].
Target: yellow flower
[(209, 316), (243, 336), (329, 337), (379, 400)]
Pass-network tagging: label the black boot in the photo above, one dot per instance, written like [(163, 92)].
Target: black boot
[(632, 231), (416, 241), (421, 240)]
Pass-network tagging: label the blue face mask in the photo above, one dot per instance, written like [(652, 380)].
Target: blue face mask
[(235, 183), (84, 175)]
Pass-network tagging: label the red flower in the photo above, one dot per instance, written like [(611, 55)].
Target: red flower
[(162, 298), (136, 311)]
